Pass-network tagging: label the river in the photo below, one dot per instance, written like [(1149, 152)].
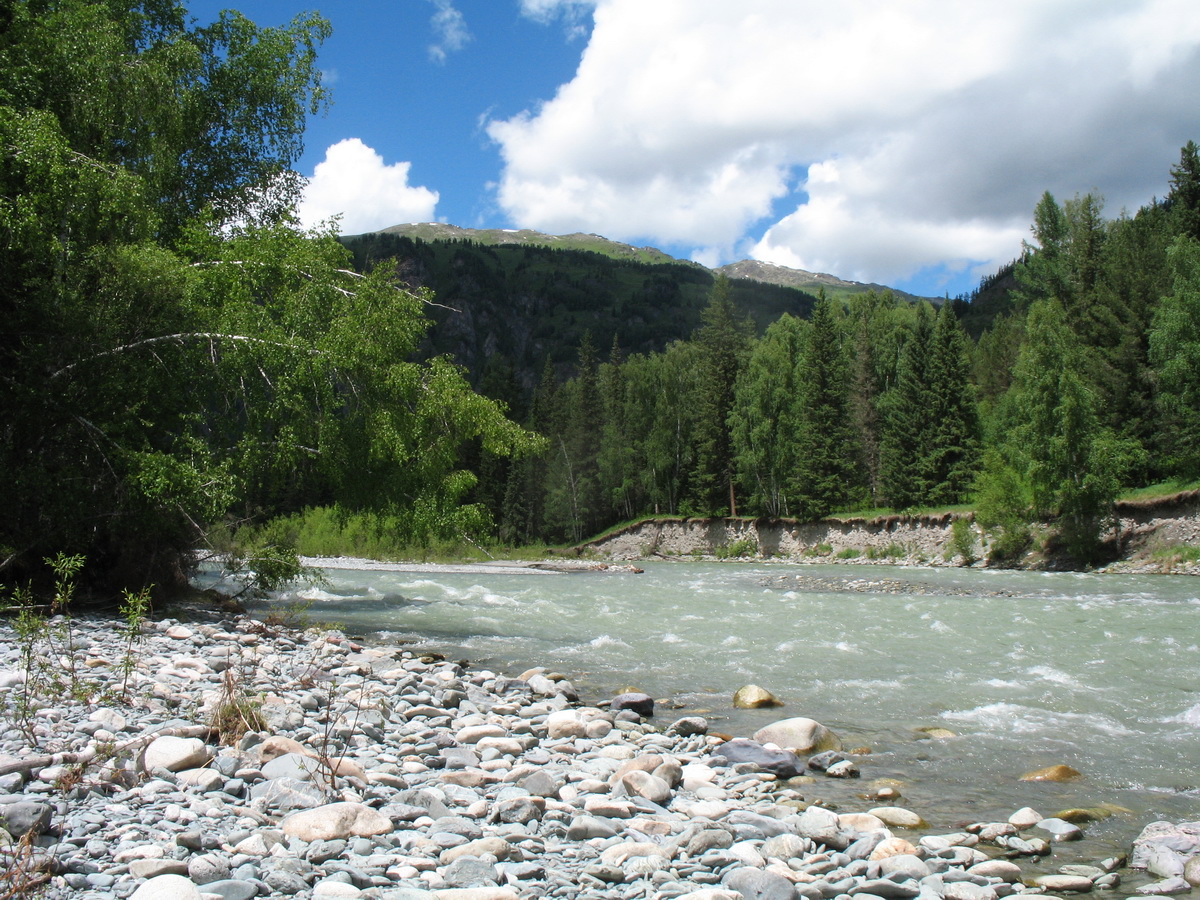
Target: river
[(1100, 672)]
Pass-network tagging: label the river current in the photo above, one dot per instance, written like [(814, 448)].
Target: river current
[(1100, 672)]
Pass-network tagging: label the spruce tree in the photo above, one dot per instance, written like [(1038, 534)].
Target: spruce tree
[(826, 476), (723, 340), (952, 454), (908, 409)]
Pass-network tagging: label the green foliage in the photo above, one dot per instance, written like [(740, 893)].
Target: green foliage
[(738, 549), (724, 342), (826, 477), (962, 541), (1175, 351), (175, 349), (762, 420), (1057, 459), (848, 553), (134, 608)]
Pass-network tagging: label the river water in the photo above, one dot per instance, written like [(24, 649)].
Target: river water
[(1100, 672)]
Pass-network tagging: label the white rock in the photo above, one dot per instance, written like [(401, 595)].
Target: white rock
[(336, 821), (1025, 818), (167, 887), (205, 779), (176, 754), (800, 734)]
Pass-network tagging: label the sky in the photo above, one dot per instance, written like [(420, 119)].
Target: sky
[(904, 143)]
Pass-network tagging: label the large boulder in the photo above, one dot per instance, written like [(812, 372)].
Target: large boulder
[(799, 734)]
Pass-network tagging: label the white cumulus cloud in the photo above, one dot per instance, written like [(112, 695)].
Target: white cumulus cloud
[(868, 138), (354, 182)]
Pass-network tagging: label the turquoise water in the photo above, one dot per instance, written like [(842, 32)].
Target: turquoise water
[(1100, 672)]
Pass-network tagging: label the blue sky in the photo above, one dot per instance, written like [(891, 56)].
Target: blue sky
[(900, 143)]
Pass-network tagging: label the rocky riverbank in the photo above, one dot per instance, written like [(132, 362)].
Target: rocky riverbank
[(1141, 528), (224, 758)]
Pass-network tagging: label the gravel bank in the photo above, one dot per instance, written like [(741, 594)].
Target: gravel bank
[(377, 772)]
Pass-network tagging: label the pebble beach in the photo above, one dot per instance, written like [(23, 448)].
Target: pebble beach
[(222, 757)]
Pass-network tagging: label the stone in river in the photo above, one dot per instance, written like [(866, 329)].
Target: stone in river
[(753, 697), (1067, 884), (1166, 887), (689, 725), (1191, 871), (800, 734), (1025, 818), (897, 817), (782, 763), (1060, 830), (642, 704), (935, 732), (1052, 773)]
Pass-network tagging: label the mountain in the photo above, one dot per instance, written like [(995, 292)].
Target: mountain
[(753, 270), (811, 282), (491, 237)]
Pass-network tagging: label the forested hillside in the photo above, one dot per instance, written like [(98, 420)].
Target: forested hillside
[(1078, 378), (503, 310)]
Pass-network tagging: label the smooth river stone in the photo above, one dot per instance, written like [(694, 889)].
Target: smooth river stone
[(167, 887), (1068, 884), (176, 754), (336, 821), (800, 734), (752, 696)]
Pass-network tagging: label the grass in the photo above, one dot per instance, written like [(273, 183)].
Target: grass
[(1162, 489)]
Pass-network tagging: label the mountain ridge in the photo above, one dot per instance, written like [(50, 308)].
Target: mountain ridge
[(755, 270)]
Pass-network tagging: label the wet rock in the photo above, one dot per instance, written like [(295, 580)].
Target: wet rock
[(751, 696), (1060, 830), (1025, 818), (1052, 773)]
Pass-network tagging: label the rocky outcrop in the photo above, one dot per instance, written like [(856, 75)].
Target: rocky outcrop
[(882, 539)]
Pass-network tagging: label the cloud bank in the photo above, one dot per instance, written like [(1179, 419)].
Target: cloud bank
[(354, 182), (866, 138)]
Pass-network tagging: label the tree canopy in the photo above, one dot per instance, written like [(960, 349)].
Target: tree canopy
[(176, 350)]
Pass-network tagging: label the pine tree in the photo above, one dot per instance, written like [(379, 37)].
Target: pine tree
[(723, 340), (952, 454), (826, 476), (1184, 197), (905, 474), (1175, 352)]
